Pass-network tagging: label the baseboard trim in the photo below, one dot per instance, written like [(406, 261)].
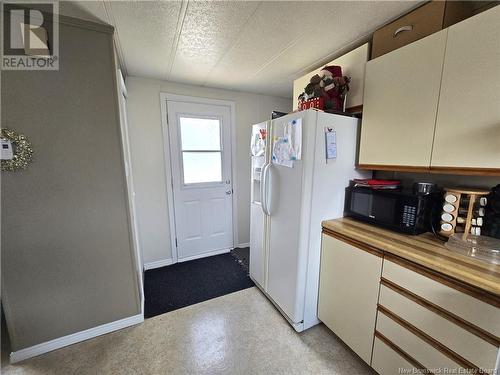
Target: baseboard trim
[(246, 244), (209, 254), (158, 264), (74, 338)]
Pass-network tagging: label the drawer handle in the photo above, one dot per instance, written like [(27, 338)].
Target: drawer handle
[(401, 29)]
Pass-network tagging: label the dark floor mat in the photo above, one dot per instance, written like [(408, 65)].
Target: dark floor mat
[(182, 284), (242, 254)]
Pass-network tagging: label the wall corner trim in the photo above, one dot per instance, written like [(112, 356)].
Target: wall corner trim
[(158, 264), (72, 21), (74, 338)]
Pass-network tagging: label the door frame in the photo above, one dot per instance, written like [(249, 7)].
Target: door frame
[(164, 97), (129, 183)]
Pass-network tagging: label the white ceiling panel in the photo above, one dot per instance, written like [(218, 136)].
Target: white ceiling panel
[(241, 45), (208, 31), (337, 32), (146, 31), (274, 27)]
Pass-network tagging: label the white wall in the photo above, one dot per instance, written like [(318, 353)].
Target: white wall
[(144, 120)]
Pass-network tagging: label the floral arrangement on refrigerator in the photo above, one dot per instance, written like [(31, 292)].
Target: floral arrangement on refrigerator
[(326, 90)]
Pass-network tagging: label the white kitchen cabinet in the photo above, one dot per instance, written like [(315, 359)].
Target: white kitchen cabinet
[(425, 319), (386, 361), (433, 105), (462, 323), (468, 119), (451, 335), (348, 293), (415, 347), (477, 312), (400, 104)]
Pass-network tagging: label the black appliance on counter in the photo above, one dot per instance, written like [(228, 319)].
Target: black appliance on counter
[(398, 210)]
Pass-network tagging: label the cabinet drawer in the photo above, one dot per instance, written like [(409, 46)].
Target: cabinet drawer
[(473, 310), (423, 21), (471, 351), (430, 358), (388, 362)]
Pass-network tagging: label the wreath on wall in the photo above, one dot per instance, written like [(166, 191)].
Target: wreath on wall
[(22, 151)]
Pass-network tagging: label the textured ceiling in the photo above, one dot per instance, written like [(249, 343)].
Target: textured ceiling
[(241, 45)]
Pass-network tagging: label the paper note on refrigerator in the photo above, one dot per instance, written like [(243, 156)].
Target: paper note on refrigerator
[(293, 133), (258, 143), (331, 143), (281, 152)]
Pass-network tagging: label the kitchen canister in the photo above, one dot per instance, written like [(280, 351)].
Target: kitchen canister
[(424, 188)]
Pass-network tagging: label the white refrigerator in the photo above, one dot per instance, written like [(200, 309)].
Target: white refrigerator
[(290, 199)]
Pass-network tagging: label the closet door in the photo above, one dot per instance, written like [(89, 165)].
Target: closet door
[(400, 104), (468, 121)]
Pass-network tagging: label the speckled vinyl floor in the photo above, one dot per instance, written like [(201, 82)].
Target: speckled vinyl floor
[(240, 333)]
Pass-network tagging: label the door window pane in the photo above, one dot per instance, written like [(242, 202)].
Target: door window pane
[(202, 167), (200, 134)]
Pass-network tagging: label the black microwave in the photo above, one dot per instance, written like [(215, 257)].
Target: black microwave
[(398, 210)]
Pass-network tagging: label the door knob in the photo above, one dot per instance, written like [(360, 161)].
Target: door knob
[(229, 192)]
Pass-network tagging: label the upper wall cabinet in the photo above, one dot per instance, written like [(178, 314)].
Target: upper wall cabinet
[(400, 104), (468, 120), (437, 109)]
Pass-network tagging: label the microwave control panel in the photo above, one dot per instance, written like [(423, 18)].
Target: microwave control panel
[(409, 215)]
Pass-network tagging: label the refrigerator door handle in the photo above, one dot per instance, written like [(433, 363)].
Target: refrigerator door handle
[(263, 189), (269, 188)]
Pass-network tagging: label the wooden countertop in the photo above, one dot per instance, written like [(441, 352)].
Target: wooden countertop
[(425, 250)]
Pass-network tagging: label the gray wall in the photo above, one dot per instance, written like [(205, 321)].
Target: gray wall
[(67, 261), (148, 163)]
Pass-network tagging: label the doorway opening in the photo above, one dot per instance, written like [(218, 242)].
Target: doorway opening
[(199, 144)]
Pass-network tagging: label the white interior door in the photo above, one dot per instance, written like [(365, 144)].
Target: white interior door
[(200, 148)]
